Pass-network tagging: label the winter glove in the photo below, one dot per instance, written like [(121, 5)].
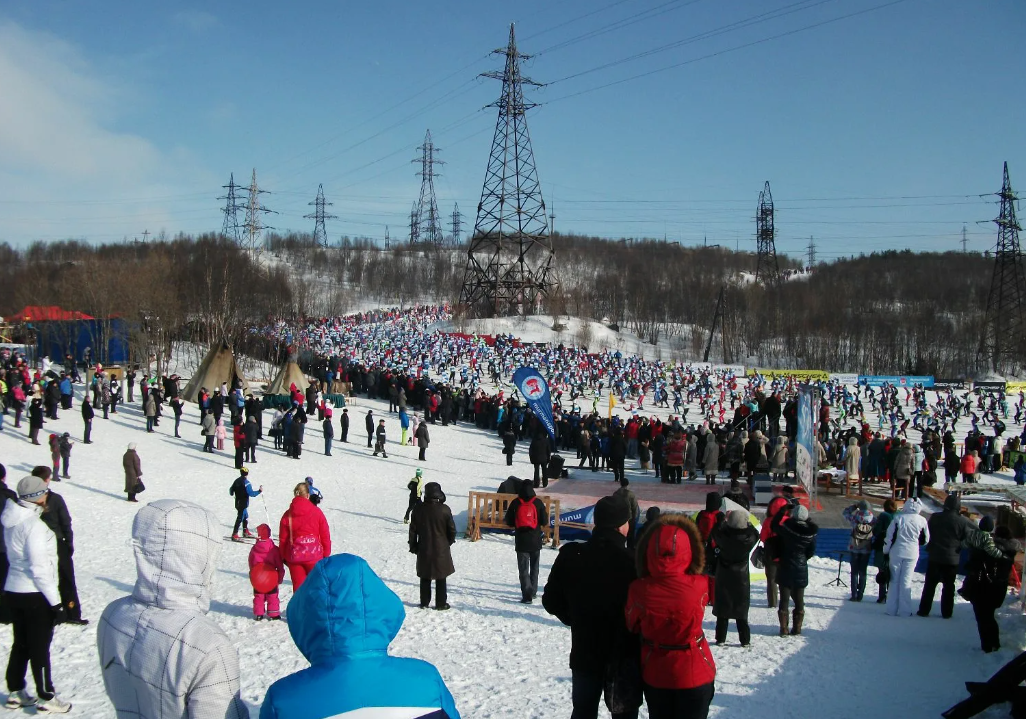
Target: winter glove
[(60, 615)]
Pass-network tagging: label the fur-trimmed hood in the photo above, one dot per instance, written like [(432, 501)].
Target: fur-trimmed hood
[(662, 549)]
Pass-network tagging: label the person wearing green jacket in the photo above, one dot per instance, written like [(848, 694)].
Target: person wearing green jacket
[(416, 487)]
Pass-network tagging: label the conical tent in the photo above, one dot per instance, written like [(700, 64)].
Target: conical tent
[(288, 375), (218, 366)]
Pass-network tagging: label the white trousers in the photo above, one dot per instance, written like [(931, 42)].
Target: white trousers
[(899, 592)]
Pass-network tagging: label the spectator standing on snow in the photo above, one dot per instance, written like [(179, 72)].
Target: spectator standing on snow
[(734, 540), (265, 552), (350, 665), (797, 545), (949, 531), (303, 535), (370, 428), (526, 514), (239, 442), (177, 404), (242, 490), (905, 534), (539, 455), (587, 590), (509, 445), (159, 654), (57, 517), (32, 599), (344, 425), (629, 498), (380, 439), (87, 420), (208, 429), (860, 544), (776, 512), (986, 582), (6, 494), (880, 560), (432, 533), (329, 434), (133, 473), (149, 409), (422, 439), (416, 487), (666, 605)]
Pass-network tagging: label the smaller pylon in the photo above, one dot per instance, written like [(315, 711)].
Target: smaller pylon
[(456, 224), (230, 226), (320, 234)]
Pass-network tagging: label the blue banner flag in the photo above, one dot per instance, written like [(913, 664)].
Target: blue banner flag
[(535, 390)]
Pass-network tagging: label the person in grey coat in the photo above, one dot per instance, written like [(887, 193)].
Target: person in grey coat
[(432, 533), (712, 459)]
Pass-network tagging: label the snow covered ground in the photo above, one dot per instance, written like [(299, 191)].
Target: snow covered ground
[(852, 658)]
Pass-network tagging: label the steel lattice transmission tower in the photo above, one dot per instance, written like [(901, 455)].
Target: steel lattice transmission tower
[(766, 268), (509, 261), (414, 226), (254, 212), (1002, 343), (429, 227), (320, 235), (456, 224), (230, 227)]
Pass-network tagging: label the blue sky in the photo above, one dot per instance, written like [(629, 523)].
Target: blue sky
[(877, 130)]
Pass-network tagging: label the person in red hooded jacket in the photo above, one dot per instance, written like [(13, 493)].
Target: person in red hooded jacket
[(303, 535), (666, 605)]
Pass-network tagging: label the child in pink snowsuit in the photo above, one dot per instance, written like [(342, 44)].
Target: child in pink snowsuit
[(220, 433), (266, 552)]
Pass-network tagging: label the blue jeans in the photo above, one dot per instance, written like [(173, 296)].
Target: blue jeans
[(859, 565)]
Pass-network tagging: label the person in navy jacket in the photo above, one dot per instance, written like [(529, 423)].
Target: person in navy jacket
[(342, 619)]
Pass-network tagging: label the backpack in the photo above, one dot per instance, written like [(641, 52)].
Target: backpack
[(861, 534), (526, 515)]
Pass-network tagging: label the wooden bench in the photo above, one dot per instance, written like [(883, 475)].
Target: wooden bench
[(487, 510)]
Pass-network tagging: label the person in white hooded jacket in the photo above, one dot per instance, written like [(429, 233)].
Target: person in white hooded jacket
[(159, 655), (31, 597), (905, 535)]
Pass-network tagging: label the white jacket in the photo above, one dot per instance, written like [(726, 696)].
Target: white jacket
[(160, 656), (31, 551), (904, 532)]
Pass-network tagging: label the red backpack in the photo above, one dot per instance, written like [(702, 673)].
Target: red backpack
[(526, 516)]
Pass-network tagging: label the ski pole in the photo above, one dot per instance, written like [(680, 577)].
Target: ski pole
[(267, 515)]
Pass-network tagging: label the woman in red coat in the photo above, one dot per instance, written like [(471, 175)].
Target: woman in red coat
[(304, 536), (666, 606)]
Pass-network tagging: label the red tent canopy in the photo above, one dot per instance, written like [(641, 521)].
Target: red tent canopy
[(52, 313)]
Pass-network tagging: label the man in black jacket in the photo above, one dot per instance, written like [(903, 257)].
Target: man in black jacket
[(58, 519), (344, 422), (949, 531), (587, 590), (526, 514), (370, 428), (539, 455), (87, 418)]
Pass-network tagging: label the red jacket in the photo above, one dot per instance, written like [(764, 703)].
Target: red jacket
[(239, 436), (265, 552), (968, 464), (667, 608), (306, 520), (675, 452)]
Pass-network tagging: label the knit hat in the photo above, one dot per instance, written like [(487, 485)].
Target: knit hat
[(611, 513), (31, 488), (737, 519), (713, 501), (244, 471), (131, 445), (263, 532), (863, 505), (420, 472), (987, 524), (800, 513)]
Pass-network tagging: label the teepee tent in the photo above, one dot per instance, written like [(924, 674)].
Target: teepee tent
[(218, 366), (288, 375)]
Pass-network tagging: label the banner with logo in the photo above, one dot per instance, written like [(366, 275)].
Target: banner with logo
[(802, 374), (989, 386), (535, 391), (1015, 387), (844, 377), (946, 384), (878, 380), (805, 456)]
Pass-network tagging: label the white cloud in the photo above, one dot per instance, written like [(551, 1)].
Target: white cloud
[(63, 172)]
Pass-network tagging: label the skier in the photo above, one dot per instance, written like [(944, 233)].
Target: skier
[(242, 490)]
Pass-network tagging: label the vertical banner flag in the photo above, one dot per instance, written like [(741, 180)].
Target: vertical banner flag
[(805, 458), (535, 390)]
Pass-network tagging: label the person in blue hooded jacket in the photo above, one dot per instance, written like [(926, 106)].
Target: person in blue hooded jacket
[(343, 619)]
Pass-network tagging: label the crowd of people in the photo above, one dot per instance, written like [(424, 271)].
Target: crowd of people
[(634, 594)]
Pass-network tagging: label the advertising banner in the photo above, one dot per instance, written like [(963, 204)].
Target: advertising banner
[(1015, 387), (805, 458), (899, 380), (802, 374), (844, 377), (535, 391), (989, 386), (946, 384)]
